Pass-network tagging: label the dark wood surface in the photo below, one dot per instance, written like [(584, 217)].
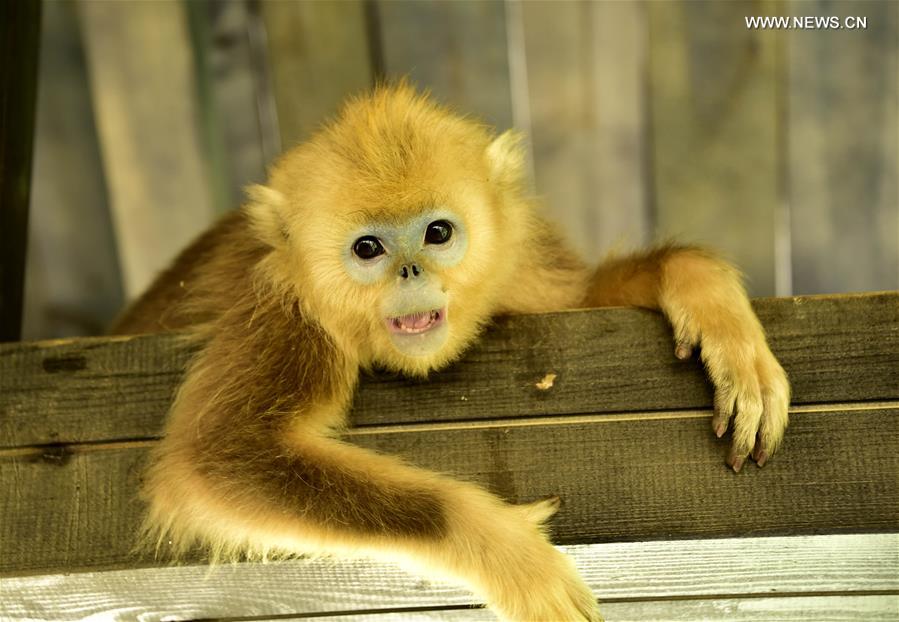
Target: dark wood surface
[(621, 478), (835, 349)]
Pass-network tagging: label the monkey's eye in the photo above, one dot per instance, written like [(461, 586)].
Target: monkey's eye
[(368, 247), (438, 232)]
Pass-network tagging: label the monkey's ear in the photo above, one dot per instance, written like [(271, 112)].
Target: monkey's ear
[(505, 156), (265, 210)]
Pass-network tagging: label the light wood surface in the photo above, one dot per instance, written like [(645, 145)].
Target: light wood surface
[(798, 578)]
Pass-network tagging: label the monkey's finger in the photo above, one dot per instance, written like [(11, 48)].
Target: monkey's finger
[(735, 460), (725, 400), (759, 452), (774, 420), (750, 408), (683, 350)]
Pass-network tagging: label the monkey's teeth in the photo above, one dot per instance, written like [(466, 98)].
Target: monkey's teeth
[(415, 322)]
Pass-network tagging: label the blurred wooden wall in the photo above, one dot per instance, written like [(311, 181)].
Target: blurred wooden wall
[(647, 120)]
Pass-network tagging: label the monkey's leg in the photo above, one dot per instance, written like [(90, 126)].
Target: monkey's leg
[(307, 493), (703, 298)]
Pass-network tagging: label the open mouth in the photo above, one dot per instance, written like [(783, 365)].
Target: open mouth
[(416, 323)]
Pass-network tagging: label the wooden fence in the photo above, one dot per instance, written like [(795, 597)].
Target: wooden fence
[(646, 119), (660, 527)]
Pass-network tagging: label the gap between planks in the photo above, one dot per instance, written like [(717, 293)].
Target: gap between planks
[(555, 420)]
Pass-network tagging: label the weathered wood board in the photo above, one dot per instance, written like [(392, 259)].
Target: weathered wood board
[(843, 148), (457, 50), (73, 283), (835, 349), (142, 78), (623, 436), (637, 581), (318, 54), (585, 73), (714, 128)]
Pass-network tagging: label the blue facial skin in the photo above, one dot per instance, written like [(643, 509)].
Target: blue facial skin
[(414, 290)]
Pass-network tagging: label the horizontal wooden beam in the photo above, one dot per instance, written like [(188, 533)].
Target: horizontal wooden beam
[(629, 477), (633, 580), (835, 349)]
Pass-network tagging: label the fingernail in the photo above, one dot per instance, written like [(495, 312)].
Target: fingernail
[(762, 459), (683, 352), (737, 464), (720, 429)]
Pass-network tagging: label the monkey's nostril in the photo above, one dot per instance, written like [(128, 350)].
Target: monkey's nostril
[(415, 270), (404, 272)]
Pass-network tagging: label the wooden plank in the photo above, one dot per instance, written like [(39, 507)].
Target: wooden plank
[(319, 54), (843, 145), (629, 577), (714, 130), (586, 73), (835, 349), (457, 50), (231, 91), (73, 286), (631, 477), (20, 30), (142, 82)]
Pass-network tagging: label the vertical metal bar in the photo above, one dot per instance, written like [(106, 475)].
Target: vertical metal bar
[(518, 78), (19, 39)]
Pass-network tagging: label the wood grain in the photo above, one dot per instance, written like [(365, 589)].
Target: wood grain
[(837, 608), (714, 130), (622, 478), (457, 50), (630, 577), (233, 95), (145, 113), (835, 349), (318, 54), (74, 283), (586, 73)]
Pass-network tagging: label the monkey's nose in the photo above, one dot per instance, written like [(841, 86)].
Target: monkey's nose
[(410, 271)]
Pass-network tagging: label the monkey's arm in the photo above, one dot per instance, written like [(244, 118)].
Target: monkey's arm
[(703, 298), (250, 464)]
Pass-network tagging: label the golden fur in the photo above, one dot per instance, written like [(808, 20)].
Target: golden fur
[(251, 463)]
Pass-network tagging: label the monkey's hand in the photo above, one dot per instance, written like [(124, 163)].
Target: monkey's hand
[(708, 308), (524, 577)]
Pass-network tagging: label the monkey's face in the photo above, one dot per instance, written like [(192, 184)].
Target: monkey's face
[(406, 277), (408, 258)]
